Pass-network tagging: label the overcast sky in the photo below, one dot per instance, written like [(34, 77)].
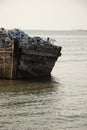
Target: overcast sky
[(43, 14)]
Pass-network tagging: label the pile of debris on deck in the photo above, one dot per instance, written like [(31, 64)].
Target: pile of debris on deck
[(5, 41), (6, 36)]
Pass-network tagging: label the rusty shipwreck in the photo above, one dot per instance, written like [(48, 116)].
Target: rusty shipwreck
[(22, 56)]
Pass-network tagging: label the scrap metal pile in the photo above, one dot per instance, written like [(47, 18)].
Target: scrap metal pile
[(6, 36)]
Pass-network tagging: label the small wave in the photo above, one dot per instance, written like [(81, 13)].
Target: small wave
[(73, 60)]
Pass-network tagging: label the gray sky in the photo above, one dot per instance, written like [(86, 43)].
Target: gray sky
[(43, 14)]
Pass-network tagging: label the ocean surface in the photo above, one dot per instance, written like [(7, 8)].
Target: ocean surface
[(58, 102)]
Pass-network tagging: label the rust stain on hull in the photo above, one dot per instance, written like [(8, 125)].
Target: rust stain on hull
[(7, 62)]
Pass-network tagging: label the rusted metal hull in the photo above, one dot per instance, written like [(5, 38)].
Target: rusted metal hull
[(28, 62), (37, 62), (33, 66)]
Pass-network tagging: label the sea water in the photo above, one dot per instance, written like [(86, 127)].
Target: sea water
[(58, 102)]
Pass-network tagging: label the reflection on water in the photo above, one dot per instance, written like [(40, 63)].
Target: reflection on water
[(27, 104), (32, 86)]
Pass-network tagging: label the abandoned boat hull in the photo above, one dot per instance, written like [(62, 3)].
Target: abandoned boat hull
[(27, 63), (23, 57)]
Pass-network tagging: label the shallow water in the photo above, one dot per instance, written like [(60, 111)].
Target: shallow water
[(58, 102)]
